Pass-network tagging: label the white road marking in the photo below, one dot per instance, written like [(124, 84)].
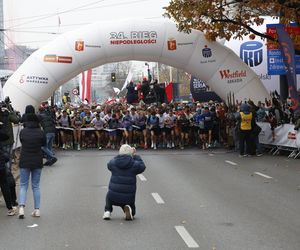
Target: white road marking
[(157, 198), (231, 163), (142, 177), (263, 175), (32, 226), (191, 243), (211, 154)]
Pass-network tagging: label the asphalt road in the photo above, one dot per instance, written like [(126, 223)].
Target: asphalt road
[(185, 199)]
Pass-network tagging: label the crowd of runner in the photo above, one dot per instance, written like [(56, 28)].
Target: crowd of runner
[(174, 125)]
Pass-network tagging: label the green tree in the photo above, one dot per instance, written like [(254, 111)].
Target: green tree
[(232, 18)]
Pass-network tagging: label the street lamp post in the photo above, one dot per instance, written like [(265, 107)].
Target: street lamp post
[(149, 73)]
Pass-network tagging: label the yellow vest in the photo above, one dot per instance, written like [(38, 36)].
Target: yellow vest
[(246, 121)]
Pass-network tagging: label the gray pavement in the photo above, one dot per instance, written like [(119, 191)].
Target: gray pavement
[(221, 200)]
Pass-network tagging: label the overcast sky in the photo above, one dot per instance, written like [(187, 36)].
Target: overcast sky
[(31, 21)]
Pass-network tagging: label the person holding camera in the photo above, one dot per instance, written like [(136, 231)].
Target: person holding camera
[(122, 186), (4, 180), (9, 116)]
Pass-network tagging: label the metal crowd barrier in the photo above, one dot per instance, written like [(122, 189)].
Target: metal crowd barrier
[(284, 137)]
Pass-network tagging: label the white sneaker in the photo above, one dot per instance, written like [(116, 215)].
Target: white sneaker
[(21, 212), (78, 147), (36, 213), (64, 146), (173, 145), (106, 215), (152, 145), (12, 212), (128, 212)]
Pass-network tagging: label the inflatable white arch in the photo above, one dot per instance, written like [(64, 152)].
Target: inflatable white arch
[(105, 42)]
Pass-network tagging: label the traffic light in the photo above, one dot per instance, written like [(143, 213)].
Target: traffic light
[(113, 77)]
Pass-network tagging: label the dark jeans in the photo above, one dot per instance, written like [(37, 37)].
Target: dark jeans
[(5, 188), (109, 206)]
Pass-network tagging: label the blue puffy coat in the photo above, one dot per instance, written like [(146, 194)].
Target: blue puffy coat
[(122, 185)]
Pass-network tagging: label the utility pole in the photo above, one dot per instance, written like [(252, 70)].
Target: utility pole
[(157, 68), (283, 83), (2, 52)]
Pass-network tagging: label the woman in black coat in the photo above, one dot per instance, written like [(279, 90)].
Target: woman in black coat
[(122, 186), (31, 162)]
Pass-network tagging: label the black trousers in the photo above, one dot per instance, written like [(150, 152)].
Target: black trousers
[(246, 137), (12, 187), (109, 205), (5, 189)]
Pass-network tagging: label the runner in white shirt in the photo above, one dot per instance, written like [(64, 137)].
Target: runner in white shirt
[(65, 135), (140, 131), (161, 134), (170, 122), (98, 123), (133, 114), (107, 117)]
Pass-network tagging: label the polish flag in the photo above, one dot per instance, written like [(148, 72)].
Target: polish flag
[(110, 101), (85, 86), (169, 91)]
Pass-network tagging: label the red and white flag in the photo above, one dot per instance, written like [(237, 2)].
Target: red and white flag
[(169, 91), (110, 101), (85, 86)]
